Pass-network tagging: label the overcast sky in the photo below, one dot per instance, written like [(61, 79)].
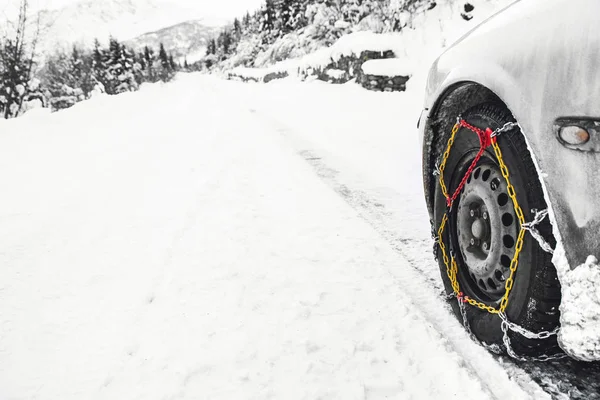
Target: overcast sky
[(209, 8)]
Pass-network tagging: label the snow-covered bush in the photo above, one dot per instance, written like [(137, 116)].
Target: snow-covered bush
[(68, 78)]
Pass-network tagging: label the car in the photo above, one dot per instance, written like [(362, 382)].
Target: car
[(510, 133)]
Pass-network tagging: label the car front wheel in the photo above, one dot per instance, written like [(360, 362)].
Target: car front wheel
[(481, 234)]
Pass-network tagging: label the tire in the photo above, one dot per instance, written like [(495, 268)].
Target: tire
[(535, 298)]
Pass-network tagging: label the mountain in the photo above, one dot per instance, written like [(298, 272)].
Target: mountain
[(186, 40), (85, 20)]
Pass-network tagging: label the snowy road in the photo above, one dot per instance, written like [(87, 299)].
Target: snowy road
[(208, 239), (364, 146)]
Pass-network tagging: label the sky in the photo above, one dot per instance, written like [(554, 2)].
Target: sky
[(225, 9)]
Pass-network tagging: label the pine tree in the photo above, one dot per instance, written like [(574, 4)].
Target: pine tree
[(212, 47), (139, 68), (150, 69), (287, 15), (246, 20), (269, 20), (126, 78), (237, 28), (99, 66), (226, 41), (81, 72), (120, 71), (16, 65), (165, 65), (141, 59), (13, 81), (113, 66), (56, 79)]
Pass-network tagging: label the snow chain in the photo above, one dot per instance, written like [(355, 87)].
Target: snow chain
[(488, 138)]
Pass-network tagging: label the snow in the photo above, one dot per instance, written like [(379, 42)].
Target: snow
[(579, 335), (352, 44), (200, 256), (386, 67), (357, 42), (82, 21), (214, 239), (252, 73), (416, 46), (336, 73), (194, 56)]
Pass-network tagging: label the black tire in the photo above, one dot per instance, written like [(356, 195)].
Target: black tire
[(535, 298)]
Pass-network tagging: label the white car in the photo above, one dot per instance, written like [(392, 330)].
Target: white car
[(511, 137)]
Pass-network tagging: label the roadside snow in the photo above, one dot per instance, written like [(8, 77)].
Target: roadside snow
[(175, 251), (389, 67), (252, 73)]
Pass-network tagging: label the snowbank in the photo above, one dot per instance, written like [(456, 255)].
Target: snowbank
[(256, 74), (388, 67), (350, 45)]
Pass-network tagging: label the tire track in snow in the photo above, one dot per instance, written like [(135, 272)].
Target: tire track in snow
[(494, 377)]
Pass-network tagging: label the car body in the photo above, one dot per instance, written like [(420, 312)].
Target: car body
[(541, 58)]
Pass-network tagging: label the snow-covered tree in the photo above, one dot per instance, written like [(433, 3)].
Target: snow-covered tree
[(17, 55), (246, 20), (225, 42), (81, 72), (268, 20), (211, 48), (120, 71), (237, 28), (150, 65), (166, 70), (100, 59), (291, 15)]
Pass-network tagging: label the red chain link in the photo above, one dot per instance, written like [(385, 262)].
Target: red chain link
[(485, 141)]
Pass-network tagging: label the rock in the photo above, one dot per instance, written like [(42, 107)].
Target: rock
[(275, 75), (351, 65), (384, 83)]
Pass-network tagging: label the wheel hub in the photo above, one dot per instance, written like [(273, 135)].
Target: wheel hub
[(486, 228), (480, 229)]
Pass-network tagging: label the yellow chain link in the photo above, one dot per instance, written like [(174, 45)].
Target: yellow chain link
[(451, 266), (445, 159), (520, 239)]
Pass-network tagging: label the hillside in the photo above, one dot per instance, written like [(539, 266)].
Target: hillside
[(332, 40), (285, 29), (86, 20), (186, 40)]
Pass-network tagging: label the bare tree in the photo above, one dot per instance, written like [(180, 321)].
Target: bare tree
[(17, 55)]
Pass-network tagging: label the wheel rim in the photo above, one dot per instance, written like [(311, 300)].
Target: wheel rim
[(486, 232)]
